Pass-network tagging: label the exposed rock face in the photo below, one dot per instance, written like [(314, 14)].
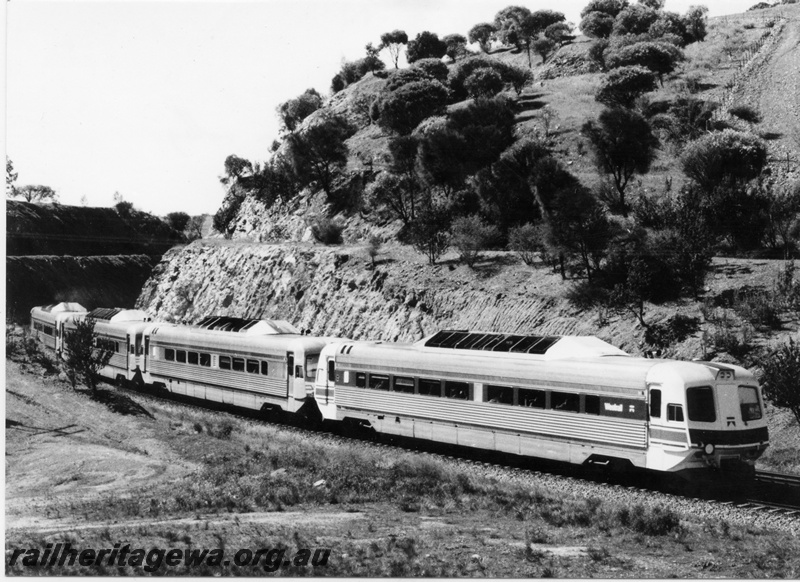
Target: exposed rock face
[(333, 292), (99, 281)]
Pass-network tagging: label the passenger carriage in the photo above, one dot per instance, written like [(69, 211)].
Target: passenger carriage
[(573, 399), (258, 364), (47, 322), (119, 331)]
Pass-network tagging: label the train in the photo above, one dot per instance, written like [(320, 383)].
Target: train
[(572, 399)]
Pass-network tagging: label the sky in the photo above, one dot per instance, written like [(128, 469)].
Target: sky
[(147, 99)]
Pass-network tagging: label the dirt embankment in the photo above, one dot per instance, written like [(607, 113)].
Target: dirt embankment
[(55, 229), (101, 281)]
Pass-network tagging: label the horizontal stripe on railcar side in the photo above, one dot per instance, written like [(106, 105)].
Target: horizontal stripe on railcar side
[(278, 356), (221, 378), (671, 435), (619, 432)]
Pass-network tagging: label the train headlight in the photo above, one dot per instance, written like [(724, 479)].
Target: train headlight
[(709, 449)]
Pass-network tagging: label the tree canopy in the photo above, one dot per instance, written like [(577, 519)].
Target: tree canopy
[(425, 45), (393, 41), (294, 111), (482, 34)]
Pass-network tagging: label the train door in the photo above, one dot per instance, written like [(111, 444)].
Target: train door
[(325, 384), (289, 373), (129, 349), (139, 352)]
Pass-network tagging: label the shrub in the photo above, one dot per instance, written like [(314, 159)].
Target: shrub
[(483, 83), (779, 373), (624, 85), (724, 157), (85, 356), (676, 329), (403, 109), (459, 73), (327, 231), (527, 241), (374, 243), (428, 233), (294, 111), (433, 68), (425, 45), (746, 113), (651, 521), (470, 235), (659, 57)]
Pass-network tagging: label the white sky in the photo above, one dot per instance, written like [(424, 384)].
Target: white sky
[(149, 98)]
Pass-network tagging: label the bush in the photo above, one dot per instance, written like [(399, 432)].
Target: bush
[(483, 83), (649, 521), (746, 113), (428, 233), (724, 157), (470, 235), (433, 68), (294, 111), (527, 241), (425, 45), (676, 329), (779, 373), (624, 85), (457, 78), (659, 57), (403, 109), (327, 231)]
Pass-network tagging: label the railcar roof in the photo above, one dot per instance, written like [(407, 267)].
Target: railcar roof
[(193, 335), (118, 314), (64, 306), (551, 347), (246, 326)]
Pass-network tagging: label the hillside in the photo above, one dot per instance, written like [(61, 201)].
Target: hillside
[(56, 229), (96, 281)]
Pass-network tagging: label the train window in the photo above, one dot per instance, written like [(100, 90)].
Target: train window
[(565, 402), (193, 358), (169, 355), (180, 356), (591, 404), (404, 384), (252, 366), (48, 330), (205, 360), (311, 365), (655, 403), (264, 369), (290, 364), (298, 371), (675, 412), (500, 394), (361, 380), (748, 403), (238, 364), (378, 382), (531, 398), (700, 404), (224, 363), (430, 387), (459, 390)]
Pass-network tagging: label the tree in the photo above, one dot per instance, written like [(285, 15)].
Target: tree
[(429, 232), (726, 157), (392, 41), (11, 177), (610, 7), (597, 24), (456, 45), (425, 45), (539, 21), (634, 19), (659, 57), (513, 76), (235, 169), (623, 145), (559, 32), (527, 241), (194, 228), (434, 68), (622, 86), (696, 24), (470, 235), (482, 34), (178, 220), (544, 47), (483, 83), (509, 24), (294, 111), (86, 354), (403, 109), (779, 373), (34, 193), (318, 153)]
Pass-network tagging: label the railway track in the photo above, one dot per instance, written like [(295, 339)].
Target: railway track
[(773, 496)]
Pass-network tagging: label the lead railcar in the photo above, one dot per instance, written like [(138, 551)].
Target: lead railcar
[(573, 399)]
